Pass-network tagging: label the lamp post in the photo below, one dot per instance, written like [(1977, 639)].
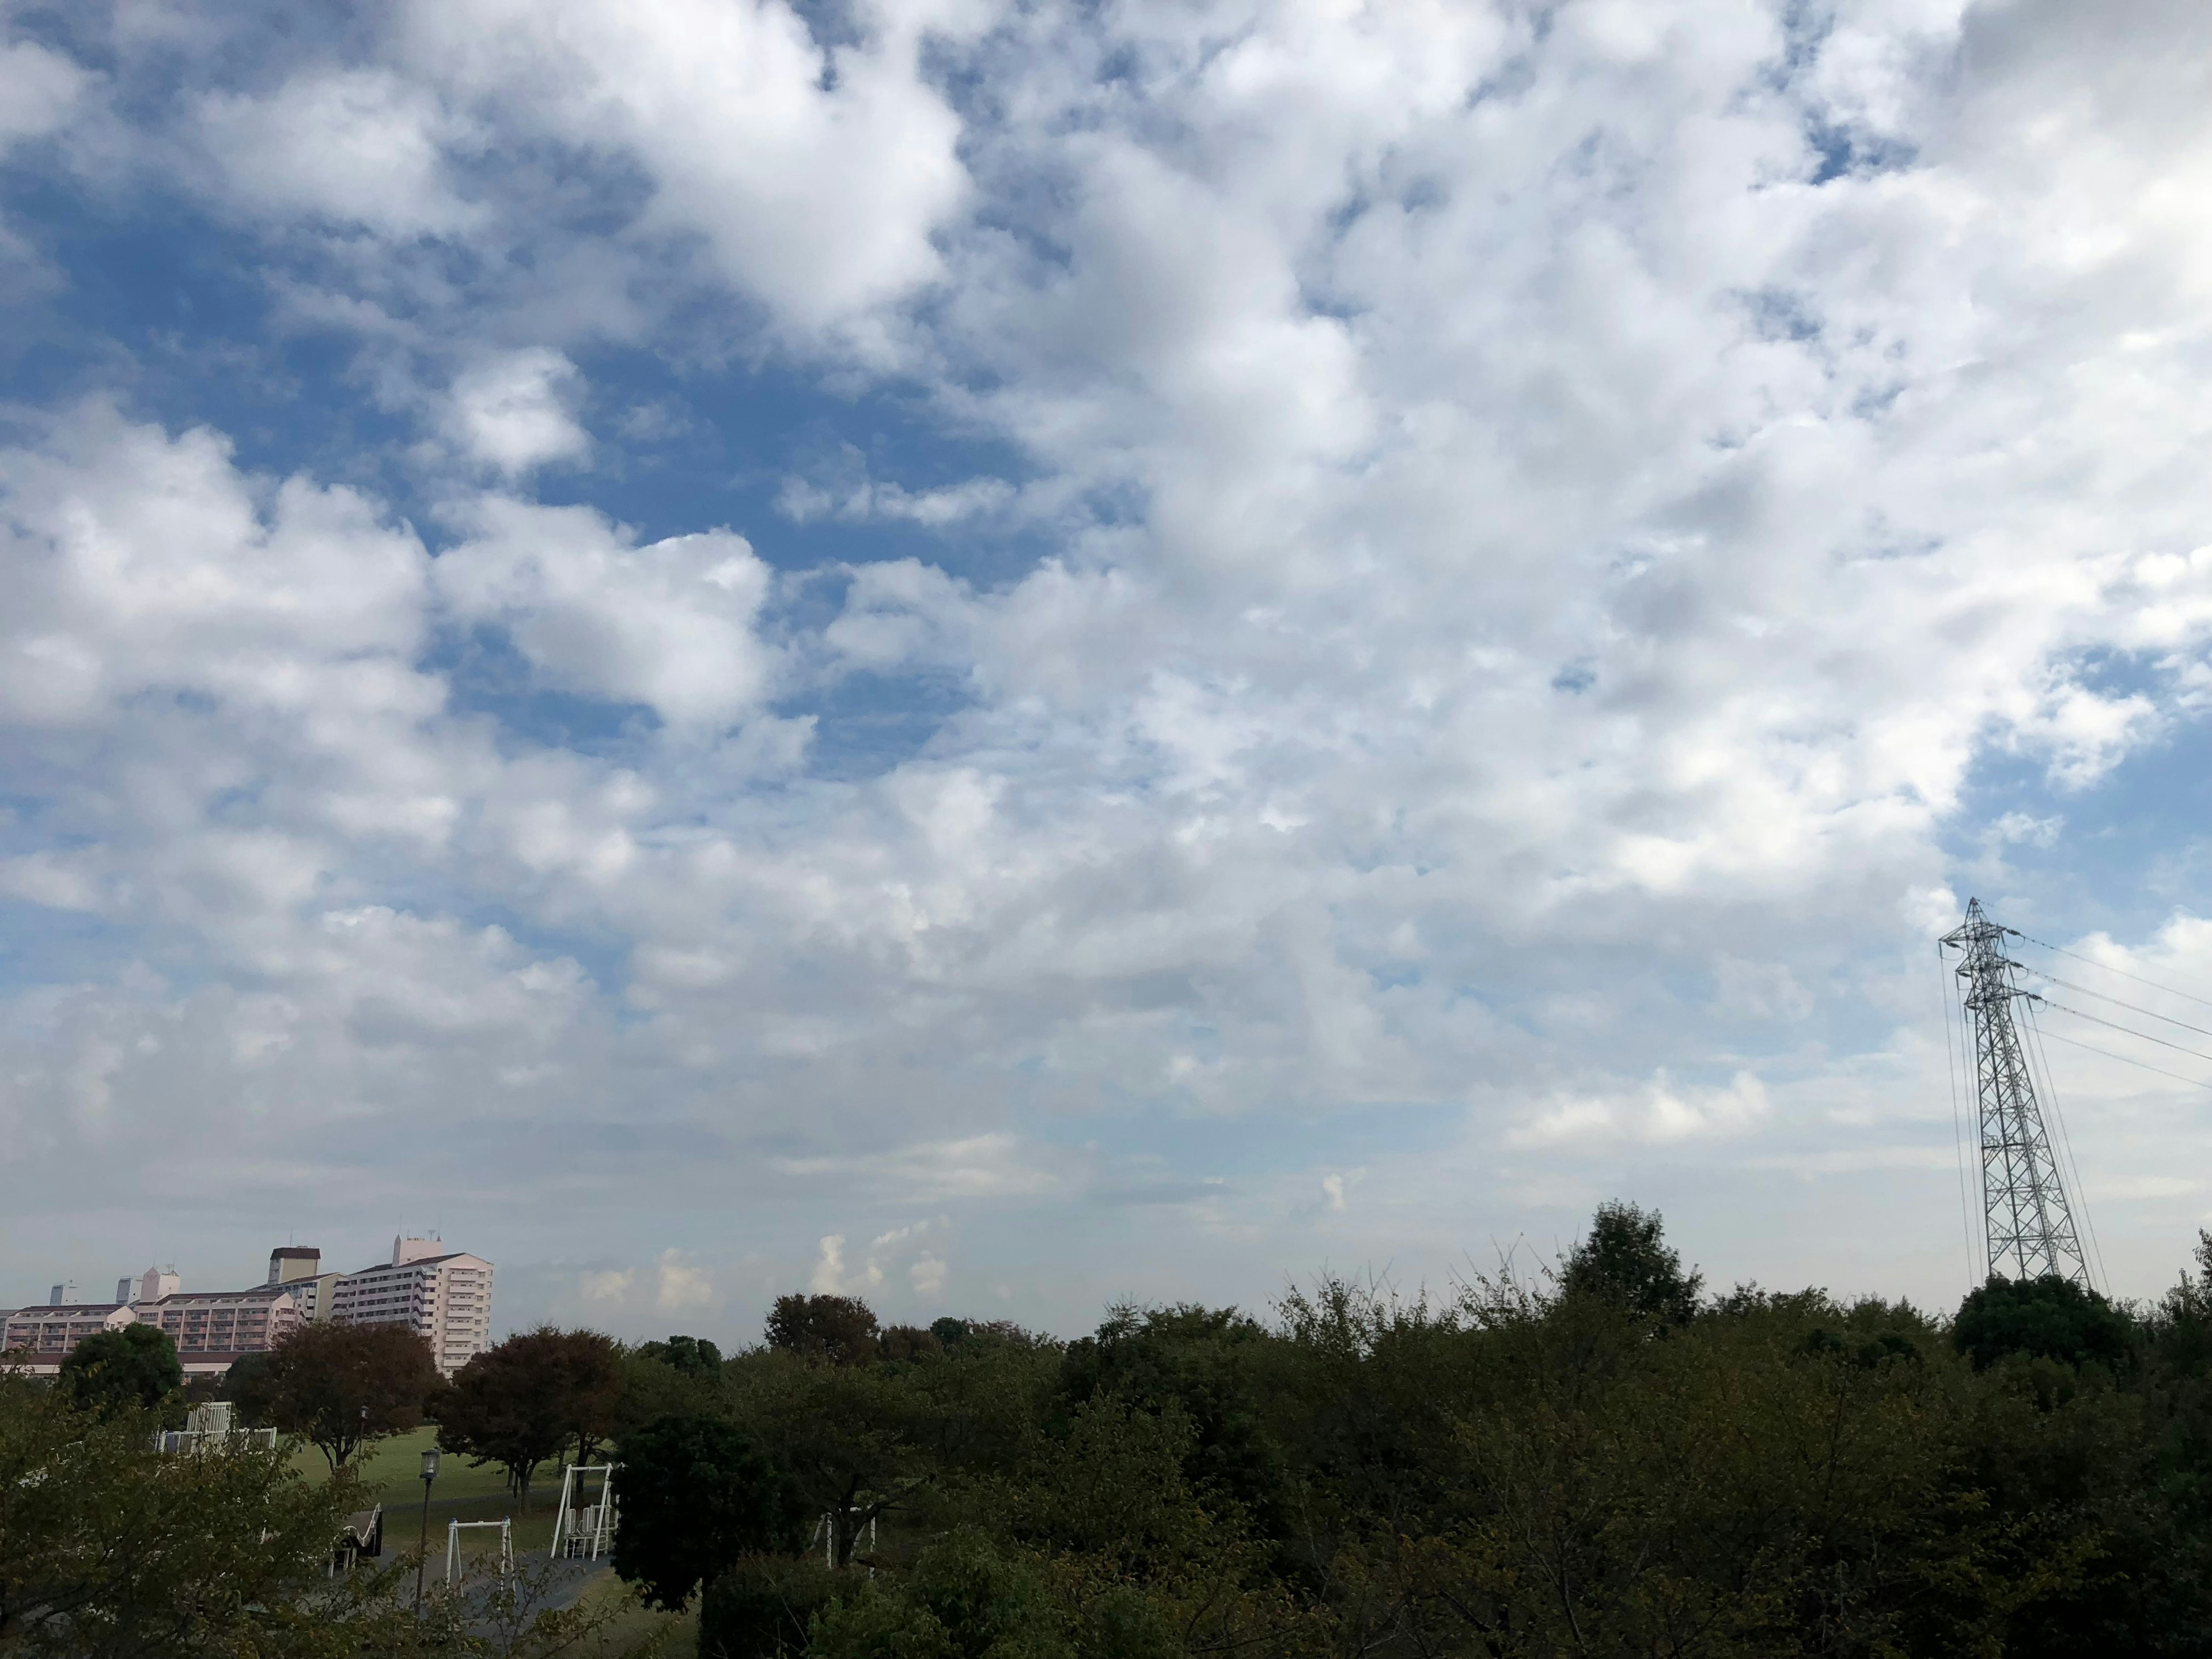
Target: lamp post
[(422, 1557)]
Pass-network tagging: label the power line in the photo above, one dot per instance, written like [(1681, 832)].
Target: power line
[(2065, 1137), (2122, 972), (1958, 1123), (2120, 1002), (2126, 1059), (2115, 1025)]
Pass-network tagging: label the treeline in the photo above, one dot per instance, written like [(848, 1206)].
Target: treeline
[(1602, 1459)]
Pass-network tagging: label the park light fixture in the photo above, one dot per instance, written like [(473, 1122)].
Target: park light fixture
[(422, 1544)]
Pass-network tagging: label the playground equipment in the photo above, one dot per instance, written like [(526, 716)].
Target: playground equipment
[(454, 1530), (362, 1535), (209, 1428), (581, 1530), (825, 1534)]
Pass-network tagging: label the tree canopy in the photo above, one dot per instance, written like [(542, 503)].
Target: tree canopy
[(343, 1387), (134, 1365), (836, 1330), (1626, 1259), (521, 1402), (1599, 1462), (696, 1495), (2048, 1318)]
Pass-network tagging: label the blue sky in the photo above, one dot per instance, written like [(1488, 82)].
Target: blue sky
[(1002, 656)]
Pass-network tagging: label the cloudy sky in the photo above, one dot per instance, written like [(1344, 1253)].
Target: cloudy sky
[(1005, 654)]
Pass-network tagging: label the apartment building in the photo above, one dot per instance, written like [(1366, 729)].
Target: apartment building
[(208, 1326), (443, 1296), (36, 1338)]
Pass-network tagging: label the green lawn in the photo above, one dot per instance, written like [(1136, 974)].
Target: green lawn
[(393, 1470), (395, 1466)]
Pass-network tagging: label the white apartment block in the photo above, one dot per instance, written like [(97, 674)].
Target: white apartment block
[(444, 1298)]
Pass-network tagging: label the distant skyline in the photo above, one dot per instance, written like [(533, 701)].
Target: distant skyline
[(1001, 657)]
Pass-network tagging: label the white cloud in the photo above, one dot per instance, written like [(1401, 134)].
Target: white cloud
[(347, 146), (512, 412), (607, 1285), (915, 1246), (1535, 545), (670, 623), (814, 177), (40, 89), (679, 1286), (1661, 1110)]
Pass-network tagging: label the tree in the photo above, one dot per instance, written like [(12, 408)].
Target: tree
[(695, 1495), (836, 1330), (1626, 1260), (1205, 1362), (246, 1385), (907, 1342), (344, 1386), (693, 1355), (518, 1404), (136, 1365), (110, 1548), (2046, 1318), (852, 1436)]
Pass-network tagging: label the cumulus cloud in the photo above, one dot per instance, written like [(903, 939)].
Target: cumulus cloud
[(511, 413), (670, 623), (1661, 1110), (40, 89), (815, 176), (911, 1252), (353, 147), (678, 1285), (1547, 528)]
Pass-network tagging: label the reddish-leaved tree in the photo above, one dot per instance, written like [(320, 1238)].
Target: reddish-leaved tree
[(341, 1386)]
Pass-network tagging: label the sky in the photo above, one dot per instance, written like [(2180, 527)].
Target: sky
[(1005, 654)]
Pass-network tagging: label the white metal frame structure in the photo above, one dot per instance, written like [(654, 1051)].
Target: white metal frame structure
[(825, 1534), (196, 1440), (454, 1530), (582, 1529)]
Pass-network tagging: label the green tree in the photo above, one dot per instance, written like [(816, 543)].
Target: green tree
[(111, 1550), (1626, 1259), (856, 1439), (134, 1365), (693, 1355), (341, 1387), (1210, 1363), (519, 1403), (835, 1330), (763, 1605), (2046, 1318), (695, 1495)]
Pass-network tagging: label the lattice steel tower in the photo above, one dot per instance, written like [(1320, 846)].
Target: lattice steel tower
[(2029, 1224)]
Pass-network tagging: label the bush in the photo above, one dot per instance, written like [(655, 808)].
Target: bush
[(763, 1605)]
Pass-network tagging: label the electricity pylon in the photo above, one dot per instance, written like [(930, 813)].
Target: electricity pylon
[(2026, 1218)]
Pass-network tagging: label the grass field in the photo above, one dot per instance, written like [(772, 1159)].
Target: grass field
[(392, 1470)]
